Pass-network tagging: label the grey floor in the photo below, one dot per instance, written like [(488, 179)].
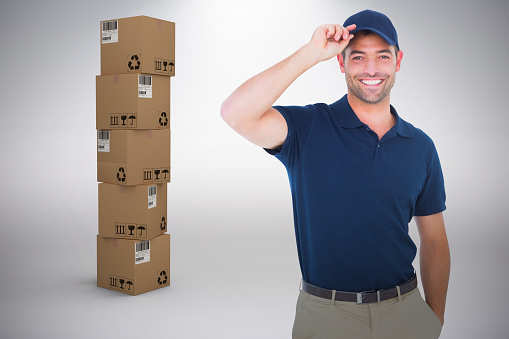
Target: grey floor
[(225, 283), (236, 282)]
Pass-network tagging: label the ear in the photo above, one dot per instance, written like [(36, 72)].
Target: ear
[(398, 60), (341, 63)]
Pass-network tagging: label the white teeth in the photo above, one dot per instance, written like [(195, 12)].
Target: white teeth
[(371, 82)]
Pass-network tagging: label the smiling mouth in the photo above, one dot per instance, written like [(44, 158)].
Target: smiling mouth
[(370, 82)]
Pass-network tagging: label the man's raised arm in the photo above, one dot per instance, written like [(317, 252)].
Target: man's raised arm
[(248, 110)]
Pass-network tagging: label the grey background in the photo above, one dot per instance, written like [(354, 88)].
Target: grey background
[(234, 266)]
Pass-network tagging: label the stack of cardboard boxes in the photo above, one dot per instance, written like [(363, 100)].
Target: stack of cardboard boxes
[(133, 153)]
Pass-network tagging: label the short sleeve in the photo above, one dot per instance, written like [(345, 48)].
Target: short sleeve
[(431, 200), (298, 120)]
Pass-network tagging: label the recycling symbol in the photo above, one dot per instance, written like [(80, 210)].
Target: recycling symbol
[(134, 63), (163, 278), (163, 119), (163, 224), (121, 174)]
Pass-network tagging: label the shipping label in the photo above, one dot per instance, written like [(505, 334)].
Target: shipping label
[(152, 197), (109, 32), (103, 141), (142, 252), (144, 86)]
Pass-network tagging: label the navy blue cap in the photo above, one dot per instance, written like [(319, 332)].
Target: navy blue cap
[(376, 22)]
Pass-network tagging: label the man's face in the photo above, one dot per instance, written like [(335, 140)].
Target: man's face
[(370, 67)]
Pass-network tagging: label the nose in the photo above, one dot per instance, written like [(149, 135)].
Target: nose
[(371, 67)]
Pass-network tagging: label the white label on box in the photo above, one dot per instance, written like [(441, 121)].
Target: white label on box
[(144, 86), (152, 196), (142, 252), (109, 32), (103, 141)]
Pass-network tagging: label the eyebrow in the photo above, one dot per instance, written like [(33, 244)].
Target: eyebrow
[(378, 52)]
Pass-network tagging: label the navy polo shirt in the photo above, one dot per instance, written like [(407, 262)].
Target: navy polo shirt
[(354, 195)]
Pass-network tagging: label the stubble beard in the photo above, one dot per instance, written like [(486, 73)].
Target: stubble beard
[(355, 87)]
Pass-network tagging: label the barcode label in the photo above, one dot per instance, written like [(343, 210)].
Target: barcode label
[(104, 135), (152, 197), (142, 246), (109, 32), (152, 190), (142, 252), (144, 86), (110, 25), (103, 141), (145, 80)]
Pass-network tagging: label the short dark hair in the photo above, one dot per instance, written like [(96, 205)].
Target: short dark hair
[(366, 33)]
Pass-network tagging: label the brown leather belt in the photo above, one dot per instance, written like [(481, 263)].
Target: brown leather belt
[(361, 297)]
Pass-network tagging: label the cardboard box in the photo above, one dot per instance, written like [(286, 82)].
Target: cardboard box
[(133, 157), (133, 212), (139, 44), (132, 101), (131, 266)]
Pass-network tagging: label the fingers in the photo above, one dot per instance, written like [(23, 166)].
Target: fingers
[(351, 27), (344, 42), (330, 31), (338, 32), (330, 40)]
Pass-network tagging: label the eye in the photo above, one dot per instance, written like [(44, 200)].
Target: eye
[(356, 58), (384, 57)]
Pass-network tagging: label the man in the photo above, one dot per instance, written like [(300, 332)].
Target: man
[(358, 175)]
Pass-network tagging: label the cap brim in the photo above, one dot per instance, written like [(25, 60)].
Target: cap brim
[(384, 36)]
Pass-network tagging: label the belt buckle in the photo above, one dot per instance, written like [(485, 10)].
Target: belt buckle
[(359, 297)]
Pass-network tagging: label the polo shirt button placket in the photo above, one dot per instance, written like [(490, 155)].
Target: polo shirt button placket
[(376, 151)]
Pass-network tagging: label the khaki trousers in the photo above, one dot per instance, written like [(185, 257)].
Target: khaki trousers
[(407, 317)]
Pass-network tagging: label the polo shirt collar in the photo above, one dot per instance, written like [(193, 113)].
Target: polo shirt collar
[(347, 118)]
